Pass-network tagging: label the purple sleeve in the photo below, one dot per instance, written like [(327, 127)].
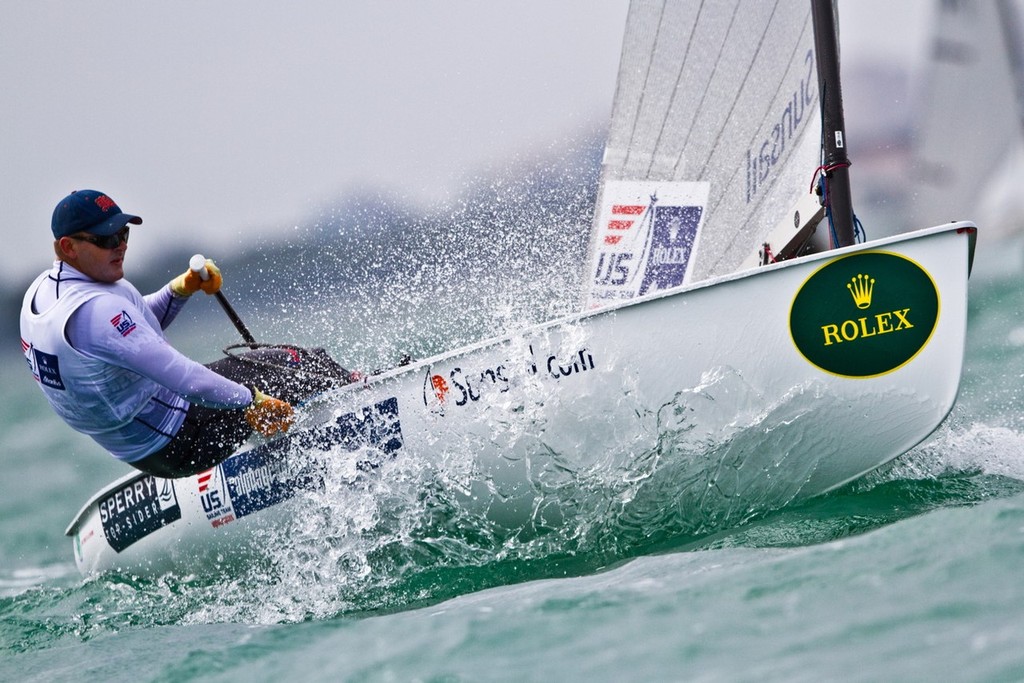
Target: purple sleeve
[(132, 343), (164, 305)]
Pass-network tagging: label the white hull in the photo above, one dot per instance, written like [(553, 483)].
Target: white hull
[(715, 378)]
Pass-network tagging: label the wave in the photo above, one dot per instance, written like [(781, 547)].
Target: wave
[(407, 537)]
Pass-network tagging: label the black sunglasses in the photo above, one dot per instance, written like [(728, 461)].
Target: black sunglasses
[(105, 241)]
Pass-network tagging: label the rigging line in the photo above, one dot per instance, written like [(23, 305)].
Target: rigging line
[(707, 89), (675, 93), (739, 91), (647, 76), (767, 115)]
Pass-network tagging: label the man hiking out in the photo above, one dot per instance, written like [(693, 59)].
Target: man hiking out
[(97, 350)]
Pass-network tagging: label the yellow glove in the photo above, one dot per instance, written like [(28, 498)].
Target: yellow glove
[(189, 282), (268, 415)]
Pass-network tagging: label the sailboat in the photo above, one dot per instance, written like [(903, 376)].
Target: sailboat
[(973, 71), (730, 327)]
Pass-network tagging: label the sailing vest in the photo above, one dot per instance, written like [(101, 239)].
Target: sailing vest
[(92, 396)]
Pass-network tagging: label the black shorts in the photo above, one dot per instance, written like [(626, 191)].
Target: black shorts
[(209, 435)]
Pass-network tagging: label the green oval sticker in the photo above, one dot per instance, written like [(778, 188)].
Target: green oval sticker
[(865, 314)]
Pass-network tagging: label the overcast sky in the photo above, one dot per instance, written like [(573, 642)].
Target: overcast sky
[(218, 121)]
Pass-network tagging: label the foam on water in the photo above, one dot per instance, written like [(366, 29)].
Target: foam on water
[(975, 448)]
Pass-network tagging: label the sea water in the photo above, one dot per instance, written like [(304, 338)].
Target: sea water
[(915, 572)]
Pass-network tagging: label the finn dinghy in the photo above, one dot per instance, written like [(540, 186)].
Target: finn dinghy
[(732, 328)]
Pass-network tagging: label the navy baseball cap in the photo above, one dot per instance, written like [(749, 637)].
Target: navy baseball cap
[(89, 211)]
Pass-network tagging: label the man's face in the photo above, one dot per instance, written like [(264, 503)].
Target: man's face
[(99, 263)]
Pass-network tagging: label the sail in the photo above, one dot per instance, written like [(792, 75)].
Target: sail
[(715, 136), (969, 148)]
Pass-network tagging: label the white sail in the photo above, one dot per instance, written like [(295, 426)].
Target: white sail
[(716, 103), (969, 147)]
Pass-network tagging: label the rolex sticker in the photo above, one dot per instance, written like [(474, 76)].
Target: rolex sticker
[(865, 314)]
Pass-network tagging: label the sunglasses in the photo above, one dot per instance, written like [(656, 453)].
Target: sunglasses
[(105, 241)]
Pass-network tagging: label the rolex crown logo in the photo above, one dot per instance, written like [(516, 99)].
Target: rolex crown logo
[(861, 287)]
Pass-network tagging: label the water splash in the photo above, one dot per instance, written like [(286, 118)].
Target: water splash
[(414, 530)]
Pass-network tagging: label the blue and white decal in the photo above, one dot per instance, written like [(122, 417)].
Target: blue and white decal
[(46, 370), (270, 474), (262, 477), (647, 233)]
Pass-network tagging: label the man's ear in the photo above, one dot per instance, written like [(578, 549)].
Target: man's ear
[(65, 248)]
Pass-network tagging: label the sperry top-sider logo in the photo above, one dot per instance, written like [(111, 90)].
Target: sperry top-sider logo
[(864, 315)]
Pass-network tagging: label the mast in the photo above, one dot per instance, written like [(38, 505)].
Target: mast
[(835, 163)]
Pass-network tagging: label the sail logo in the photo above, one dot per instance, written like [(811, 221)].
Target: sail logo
[(646, 237), (865, 314), (786, 128)]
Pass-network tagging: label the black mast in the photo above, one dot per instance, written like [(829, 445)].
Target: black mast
[(836, 163)]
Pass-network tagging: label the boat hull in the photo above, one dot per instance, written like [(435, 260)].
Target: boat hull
[(761, 388)]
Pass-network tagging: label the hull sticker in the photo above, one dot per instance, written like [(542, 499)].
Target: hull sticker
[(864, 315), (137, 509)]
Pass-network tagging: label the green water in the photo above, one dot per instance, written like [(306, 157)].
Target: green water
[(914, 573)]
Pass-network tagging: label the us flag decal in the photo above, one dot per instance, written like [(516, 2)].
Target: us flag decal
[(646, 235), (622, 220), (123, 323)]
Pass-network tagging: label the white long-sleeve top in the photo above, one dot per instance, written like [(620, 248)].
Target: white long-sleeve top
[(99, 354)]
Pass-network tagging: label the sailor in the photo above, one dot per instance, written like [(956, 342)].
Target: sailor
[(97, 349)]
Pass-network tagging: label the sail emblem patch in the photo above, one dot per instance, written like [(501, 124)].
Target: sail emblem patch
[(123, 323), (647, 234), (864, 315)]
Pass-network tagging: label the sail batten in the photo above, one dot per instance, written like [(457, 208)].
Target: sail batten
[(676, 89), (801, 108), (689, 129)]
